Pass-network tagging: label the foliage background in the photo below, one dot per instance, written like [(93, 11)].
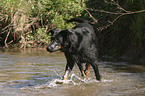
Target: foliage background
[(24, 23)]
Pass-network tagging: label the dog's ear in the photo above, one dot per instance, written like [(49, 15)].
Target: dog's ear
[(54, 31), (66, 32), (70, 32)]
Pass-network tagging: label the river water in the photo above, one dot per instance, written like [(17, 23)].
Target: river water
[(34, 72)]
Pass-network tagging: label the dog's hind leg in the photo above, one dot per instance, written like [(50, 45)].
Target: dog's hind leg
[(96, 70), (87, 69)]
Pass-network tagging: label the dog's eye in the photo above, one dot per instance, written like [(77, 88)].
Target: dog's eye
[(52, 38)]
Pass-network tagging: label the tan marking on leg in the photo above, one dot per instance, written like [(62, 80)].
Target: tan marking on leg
[(87, 69), (65, 78), (83, 74)]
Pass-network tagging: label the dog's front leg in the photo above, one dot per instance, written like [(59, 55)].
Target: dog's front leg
[(66, 75), (68, 69), (81, 69)]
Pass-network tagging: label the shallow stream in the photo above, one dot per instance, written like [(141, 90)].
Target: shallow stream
[(34, 72)]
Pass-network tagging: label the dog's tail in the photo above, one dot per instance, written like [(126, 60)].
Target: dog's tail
[(80, 20)]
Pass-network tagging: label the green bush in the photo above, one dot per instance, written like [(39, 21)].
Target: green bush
[(31, 18), (38, 40)]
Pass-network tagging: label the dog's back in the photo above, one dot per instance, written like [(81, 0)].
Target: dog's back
[(84, 45)]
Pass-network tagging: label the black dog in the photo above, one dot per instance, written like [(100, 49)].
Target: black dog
[(79, 46)]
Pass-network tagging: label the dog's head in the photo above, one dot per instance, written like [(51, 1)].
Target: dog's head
[(58, 37), (54, 44)]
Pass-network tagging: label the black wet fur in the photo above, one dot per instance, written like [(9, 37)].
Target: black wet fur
[(79, 45)]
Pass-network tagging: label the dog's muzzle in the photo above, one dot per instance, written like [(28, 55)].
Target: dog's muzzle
[(53, 46)]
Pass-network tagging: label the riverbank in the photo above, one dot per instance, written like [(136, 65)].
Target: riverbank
[(130, 60)]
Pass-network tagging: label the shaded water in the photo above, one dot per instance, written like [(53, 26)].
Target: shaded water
[(35, 73)]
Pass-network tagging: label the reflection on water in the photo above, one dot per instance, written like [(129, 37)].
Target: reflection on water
[(34, 72)]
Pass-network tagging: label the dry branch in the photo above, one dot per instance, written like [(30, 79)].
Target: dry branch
[(6, 39), (91, 16), (121, 13), (28, 25)]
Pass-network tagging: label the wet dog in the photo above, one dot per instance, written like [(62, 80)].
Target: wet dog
[(79, 46)]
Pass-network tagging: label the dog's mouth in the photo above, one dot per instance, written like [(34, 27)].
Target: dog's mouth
[(53, 46)]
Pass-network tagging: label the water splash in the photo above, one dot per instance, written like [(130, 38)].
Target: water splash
[(73, 80)]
